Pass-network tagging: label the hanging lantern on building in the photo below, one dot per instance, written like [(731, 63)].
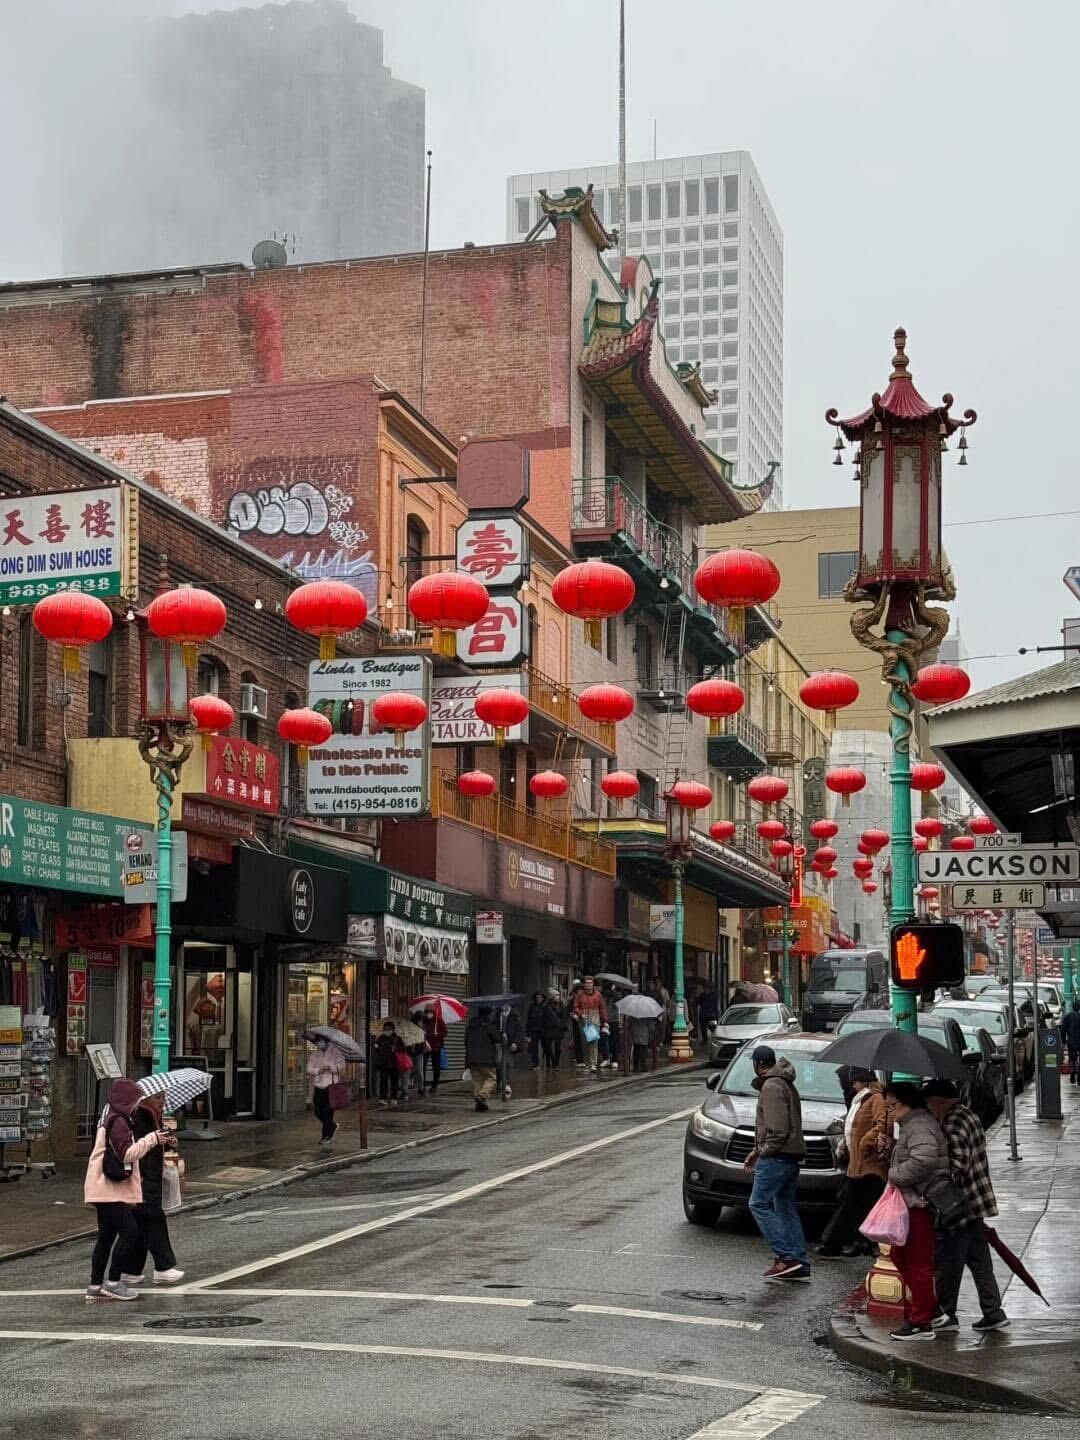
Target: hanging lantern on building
[(831, 873), (73, 620), (620, 785), (210, 715), (476, 784), (691, 794), (927, 777), (502, 710), (717, 699), (875, 840), (869, 887), (400, 712), (929, 827), (548, 785), (825, 855), (845, 782), (188, 617), (863, 869), (772, 829), (921, 843), (606, 704), (737, 580), (593, 590), (326, 609), (304, 728), (780, 848), (962, 842), (829, 690), (767, 789), (824, 830), (927, 892), (982, 825), (447, 601), (940, 684), (722, 830)]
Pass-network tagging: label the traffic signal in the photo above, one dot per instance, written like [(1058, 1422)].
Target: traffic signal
[(926, 957)]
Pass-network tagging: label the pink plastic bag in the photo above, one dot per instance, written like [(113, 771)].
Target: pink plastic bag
[(888, 1221)]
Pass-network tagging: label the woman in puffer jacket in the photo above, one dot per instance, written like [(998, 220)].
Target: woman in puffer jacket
[(920, 1158), (114, 1199)]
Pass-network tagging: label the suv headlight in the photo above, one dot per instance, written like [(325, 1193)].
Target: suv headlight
[(708, 1129)]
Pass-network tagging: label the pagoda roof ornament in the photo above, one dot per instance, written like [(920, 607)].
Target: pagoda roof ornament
[(574, 203), (901, 402)]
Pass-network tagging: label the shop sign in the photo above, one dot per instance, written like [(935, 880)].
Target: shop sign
[(661, 922), (75, 1013), (11, 1032), (453, 710), (146, 1010), (815, 804), (103, 1062), (210, 819), (425, 903), (211, 848), (499, 638), (489, 927), (102, 959), (301, 900), (638, 915), (362, 770), (424, 947), (105, 925), (55, 848), (141, 866), (65, 540), (535, 880), (362, 936), (240, 773), (495, 549)]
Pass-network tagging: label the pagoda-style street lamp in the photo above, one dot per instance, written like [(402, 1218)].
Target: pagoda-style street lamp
[(899, 442)]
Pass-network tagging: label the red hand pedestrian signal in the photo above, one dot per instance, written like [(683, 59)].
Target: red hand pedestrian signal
[(927, 957), (909, 956)]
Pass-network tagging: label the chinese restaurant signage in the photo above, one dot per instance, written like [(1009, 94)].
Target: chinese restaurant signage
[(65, 540), (499, 638), (453, 710), (494, 547), (240, 773)]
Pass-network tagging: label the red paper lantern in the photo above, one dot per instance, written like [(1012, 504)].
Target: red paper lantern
[(502, 710), (869, 886), (875, 839), (304, 728), (824, 830), (593, 591), (716, 699), (831, 873), (548, 785), (476, 784), (865, 849), (829, 690), (982, 825), (927, 777), (448, 601), (620, 785), (862, 868), (772, 829), (400, 712), (606, 703), (930, 828), (921, 843), (962, 842), (186, 616), (927, 892), (691, 794), (825, 855), (326, 609), (73, 620), (845, 782), (722, 830), (940, 684), (768, 789), (210, 715), (737, 579), (780, 848)]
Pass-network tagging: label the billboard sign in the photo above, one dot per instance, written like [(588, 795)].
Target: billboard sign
[(64, 540)]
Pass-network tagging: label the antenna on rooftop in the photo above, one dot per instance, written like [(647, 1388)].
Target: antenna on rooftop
[(269, 255)]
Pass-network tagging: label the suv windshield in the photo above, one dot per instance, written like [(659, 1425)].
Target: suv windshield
[(992, 1020), (844, 977), (813, 1079), (751, 1015)]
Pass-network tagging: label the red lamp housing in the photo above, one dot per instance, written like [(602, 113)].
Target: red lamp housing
[(304, 728), (73, 620), (593, 590), (716, 699), (186, 616), (326, 609), (448, 601), (476, 783), (502, 710), (940, 684)]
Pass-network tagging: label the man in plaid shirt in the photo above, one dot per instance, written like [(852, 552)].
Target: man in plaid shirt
[(965, 1243)]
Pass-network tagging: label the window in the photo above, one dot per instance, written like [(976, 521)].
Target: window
[(710, 255), (693, 197), (643, 654), (611, 639), (586, 445), (710, 232), (691, 282), (692, 259), (731, 277), (24, 726), (633, 241), (730, 349), (731, 374), (711, 373), (673, 283), (729, 302), (690, 327), (712, 197), (731, 325), (691, 235), (633, 205), (729, 397), (731, 194), (674, 199), (691, 352), (729, 445), (598, 205), (99, 689), (249, 724), (731, 254), (613, 207), (647, 792), (653, 257), (673, 350), (672, 307), (710, 280), (521, 204), (415, 549), (652, 239), (672, 237), (711, 351), (208, 676), (710, 306), (652, 202), (731, 229), (690, 305), (507, 777), (729, 420), (533, 653), (835, 569)]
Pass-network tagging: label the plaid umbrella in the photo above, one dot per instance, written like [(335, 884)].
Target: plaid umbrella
[(347, 1044), (179, 1087)]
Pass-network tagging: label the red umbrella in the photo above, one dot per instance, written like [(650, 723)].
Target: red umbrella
[(1015, 1264), (446, 1008)]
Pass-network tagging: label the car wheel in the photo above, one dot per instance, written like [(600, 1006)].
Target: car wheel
[(700, 1212)]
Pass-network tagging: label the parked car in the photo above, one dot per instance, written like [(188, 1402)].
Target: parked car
[(1051, 997), (974, 985), (990, 1097), (720, 1134), (942, 1028), (838, 981), (992, 1016), (740, 1023), (1024, 1024)]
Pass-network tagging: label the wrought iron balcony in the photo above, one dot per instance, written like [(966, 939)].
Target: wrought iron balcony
[(739, 749), (665, 692), (784, 747)]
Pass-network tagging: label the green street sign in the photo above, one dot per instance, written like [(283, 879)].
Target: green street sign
[(55, 848)]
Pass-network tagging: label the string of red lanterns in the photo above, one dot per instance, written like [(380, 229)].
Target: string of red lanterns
[(940, 684), (304, 728), (736, 580), (691, 794), (606, 704), (476, 784), (447, 602), (210, 716), (593, 590), (188, 617), (326, 609), (716, 699), (929, 827), (982, 825), (829, 690), (927, 777), (845, 781), (548, 785), (722, 830), (73, 620), (620, 785), (400, 712), (502, 710)]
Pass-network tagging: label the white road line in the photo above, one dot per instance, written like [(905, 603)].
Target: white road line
[(128, 1338), (456, 1197), (720, 1322), (769, 1412), (316, 1208)]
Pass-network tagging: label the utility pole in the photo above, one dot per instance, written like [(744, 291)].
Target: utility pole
[(1010, 1097), (622, 127)]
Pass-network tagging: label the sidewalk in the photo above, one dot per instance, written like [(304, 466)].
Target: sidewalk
[(1032, 1364), (261, 1154)]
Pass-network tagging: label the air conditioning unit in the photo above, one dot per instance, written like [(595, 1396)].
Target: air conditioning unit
[(253, 701)]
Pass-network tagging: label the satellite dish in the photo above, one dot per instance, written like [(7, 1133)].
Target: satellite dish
[(269, 255)]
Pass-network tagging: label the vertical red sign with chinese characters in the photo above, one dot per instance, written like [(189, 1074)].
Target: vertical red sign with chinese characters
[(240, 773), (494, 547)]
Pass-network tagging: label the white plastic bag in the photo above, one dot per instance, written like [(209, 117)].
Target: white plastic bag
[(170, 1190), (466, 1075)]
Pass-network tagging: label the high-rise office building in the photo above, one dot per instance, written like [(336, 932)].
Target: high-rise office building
[(709, 231), (236, 125)]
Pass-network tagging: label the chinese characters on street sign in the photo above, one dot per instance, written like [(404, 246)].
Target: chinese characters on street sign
[(65, 540), (998, 897), (495, 549)]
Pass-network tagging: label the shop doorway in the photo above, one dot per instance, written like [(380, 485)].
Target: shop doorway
[(315, 992), (217, 1010)]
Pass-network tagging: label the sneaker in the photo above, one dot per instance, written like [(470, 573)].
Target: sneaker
[(826, 1253), (508, 1094), (94, 1292), (997, 1321), (481, 1105), (774, 1269), (133, 1279), (168, 1277), (793, 1271), (117, 1290), (941, 1321), (334, 1131), (908, 1331)]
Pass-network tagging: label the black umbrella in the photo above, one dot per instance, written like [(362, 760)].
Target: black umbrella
[(896, 1051), (493, 1002)]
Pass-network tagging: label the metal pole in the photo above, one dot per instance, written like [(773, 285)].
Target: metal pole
[(1010, 1092), (680, 1038), (1066, 977), (1038, 1025), (904, 1013), (163, 929), (622, 127), (785, 970)]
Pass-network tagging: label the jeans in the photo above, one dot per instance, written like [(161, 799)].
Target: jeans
[(772, 1204), (117, 1237), (1074, 1065), (388, 1084), (323, 1110), (860, 1196), (152, 1238), (434, 1057), (915, 1261), (968, 1246)]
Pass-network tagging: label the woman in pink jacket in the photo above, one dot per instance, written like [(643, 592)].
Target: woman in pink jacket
[(114, 1199)]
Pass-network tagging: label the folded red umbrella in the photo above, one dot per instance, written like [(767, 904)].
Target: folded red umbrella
[(1015, 1264)]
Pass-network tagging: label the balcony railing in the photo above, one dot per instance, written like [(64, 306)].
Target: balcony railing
[(402, 631), (557, 701), (742, 728), (784, 745), (506, 821)]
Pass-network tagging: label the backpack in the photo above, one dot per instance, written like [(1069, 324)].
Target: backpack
[(113, 1168)]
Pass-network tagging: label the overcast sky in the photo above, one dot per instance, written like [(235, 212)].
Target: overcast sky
[(920, 157)]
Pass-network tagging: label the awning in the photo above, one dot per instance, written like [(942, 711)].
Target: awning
[(736, 879)]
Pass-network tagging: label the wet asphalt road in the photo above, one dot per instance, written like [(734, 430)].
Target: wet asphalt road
[(253, 1356)]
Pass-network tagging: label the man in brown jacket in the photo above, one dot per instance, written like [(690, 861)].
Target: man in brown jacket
[(863, 1148), (778, 1152)]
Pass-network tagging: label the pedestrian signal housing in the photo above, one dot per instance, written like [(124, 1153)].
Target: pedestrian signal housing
[(926, 957)]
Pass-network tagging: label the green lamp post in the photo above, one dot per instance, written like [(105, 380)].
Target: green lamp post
[(900, 566)]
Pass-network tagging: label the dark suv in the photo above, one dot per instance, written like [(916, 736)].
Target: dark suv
[(840, 981)]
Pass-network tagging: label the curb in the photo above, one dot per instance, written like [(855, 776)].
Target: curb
[(850, 1344), (360, 1157)]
